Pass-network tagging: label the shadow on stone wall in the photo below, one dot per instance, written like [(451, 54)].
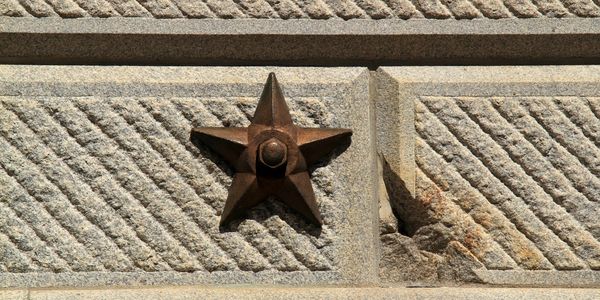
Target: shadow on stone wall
[(416, 248)]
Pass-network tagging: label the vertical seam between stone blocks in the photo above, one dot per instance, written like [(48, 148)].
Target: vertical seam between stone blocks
[(373, 92)]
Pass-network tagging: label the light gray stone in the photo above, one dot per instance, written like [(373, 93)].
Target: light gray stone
[(299, 9), (318, 293), (498, 166), (314, 28), (14, 294), (100, 184)]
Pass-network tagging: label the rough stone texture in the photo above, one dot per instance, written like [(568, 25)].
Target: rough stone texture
[(317, 293), (101, 185), (500, 174), (307, 42), (14, 295), (297, 9)]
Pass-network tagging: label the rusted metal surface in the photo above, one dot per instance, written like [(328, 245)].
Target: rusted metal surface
[(271, 156)]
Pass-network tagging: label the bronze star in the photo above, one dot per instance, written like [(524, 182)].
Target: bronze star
[(271, 156)]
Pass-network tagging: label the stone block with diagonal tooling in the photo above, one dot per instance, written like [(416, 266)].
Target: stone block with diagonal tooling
[(100, 184), (500, 166)]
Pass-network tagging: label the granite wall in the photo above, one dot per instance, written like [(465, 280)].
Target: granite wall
[(477, 175)]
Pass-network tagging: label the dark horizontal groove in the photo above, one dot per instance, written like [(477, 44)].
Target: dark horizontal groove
[(299, 50)]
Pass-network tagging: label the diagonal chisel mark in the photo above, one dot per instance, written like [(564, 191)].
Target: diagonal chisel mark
[(568, 164), (564, 225), (130, 8), (13, 260), (287, 9), (316, 9), (573, 139), (77, 190), (26, 238), (279, 228), (12, 8), (533, 163), (511, 206), (79, 168), (85, 142), (86, 135), (37, 8), (207, 115), (41, 221), (582, 116), (70, 246), (477, 224), (492, 171), (519, 242), (181, 189), (478, 240), (76, 221), (594, 104), (180, 159), (22, 243), (97, 8), (578, 123), (466, 164), (146, 183)]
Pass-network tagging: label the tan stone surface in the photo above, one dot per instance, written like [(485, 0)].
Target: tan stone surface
[(316, 293), (296, 9), (100, 184), (493, 171)]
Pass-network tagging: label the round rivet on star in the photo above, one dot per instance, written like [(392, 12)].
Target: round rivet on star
[(273, 153)]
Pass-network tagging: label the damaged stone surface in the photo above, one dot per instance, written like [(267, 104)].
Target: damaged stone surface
[(100, 184), (498, 174)]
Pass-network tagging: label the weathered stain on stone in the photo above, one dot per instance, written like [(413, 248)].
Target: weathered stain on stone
[(522, 173)]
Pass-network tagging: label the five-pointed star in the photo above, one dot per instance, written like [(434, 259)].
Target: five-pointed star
[(271, 156)]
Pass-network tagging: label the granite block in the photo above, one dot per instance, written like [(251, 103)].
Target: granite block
[(100, 184), (494, 168)]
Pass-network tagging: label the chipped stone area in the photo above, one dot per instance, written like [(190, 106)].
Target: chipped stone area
[(97, 184), (301, 9), (502, 184)]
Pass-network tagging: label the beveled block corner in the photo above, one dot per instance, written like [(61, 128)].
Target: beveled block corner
[(100, 184)]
